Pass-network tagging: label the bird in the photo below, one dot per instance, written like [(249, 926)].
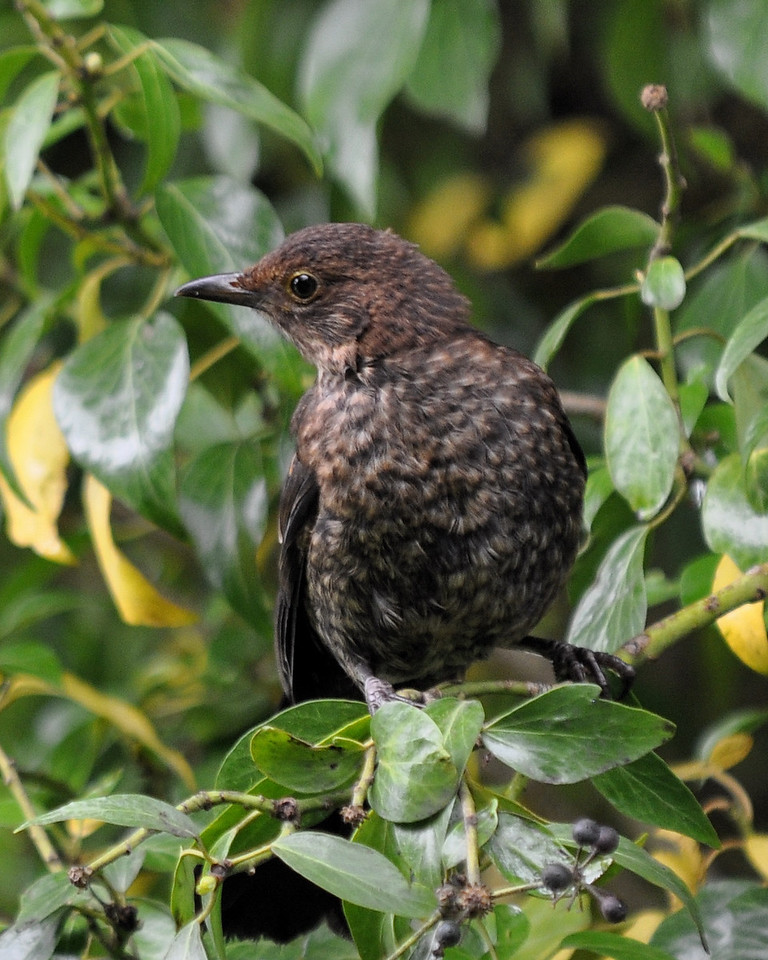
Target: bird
[(432, 509)]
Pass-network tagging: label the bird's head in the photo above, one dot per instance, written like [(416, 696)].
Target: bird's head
[(345, 293)]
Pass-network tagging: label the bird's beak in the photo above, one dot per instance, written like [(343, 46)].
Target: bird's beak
[(221, 288)]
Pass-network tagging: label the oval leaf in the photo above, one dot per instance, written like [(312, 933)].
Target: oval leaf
[(557, 330), (415, 776), (664, 284), (612, 610), (642, 437), (124, 810), (460, 722), (354, 873), (26, 131), (749, 333), (302, 766), (117, 399), (731, 524), (223, 503), (569, 734), (606, 231)]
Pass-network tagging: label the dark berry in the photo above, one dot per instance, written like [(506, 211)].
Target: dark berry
[(586, 832), (607, 841), (556, 877), (613, 909)]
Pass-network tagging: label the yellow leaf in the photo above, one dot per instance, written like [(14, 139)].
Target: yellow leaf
[(682, 856), (441, 221), (743, 629), (731, 750), (130, 721), (643, 925), (39, 456), (90, 316), (137, 601), (756, 849), (564, 159)]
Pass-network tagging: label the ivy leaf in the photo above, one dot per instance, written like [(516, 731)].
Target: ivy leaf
[(749, 333), (355, 873), (304, 766), (606, 231), (117, 399), (642, 437), (124, 810), (731, 524), (25, 133), (569, 734)]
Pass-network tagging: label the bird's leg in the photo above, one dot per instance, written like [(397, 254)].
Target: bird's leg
[(377, 691), (580, 665)]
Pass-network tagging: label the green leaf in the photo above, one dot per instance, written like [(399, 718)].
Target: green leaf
[(17, 347), (750, 401), (302, 766), (606, 231), (612, 610), (749, 333), (664, 284), (735, 31), (415, 776), (758, 230), (599, 488), (358, 56), (25, 133), (124, 810), (742, 721), (12, 62), (196, 69), (450, 78), (731, 524), (556, 332), (649, 791), (569, 734), (521, 849), (46, 895), (460, 723), (161, 109), (73, 9), (187, 944), (33, 658), (116, 400), (613, 945), (354, 873), (121, 873), (34, 940), (455, 845), (642, 437), (223, 503), (735, 922)]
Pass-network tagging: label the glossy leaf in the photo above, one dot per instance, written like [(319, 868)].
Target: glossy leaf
[(455, 846), (606, 231), (613, 945), (731, 524), (599, 488), (137, 600), (743, 629), (664, 284), (749, 333), (205, 75), (39, 457), (162, 124), (117, 399), (25, 133), (460, 47), (302, 766), (648, 791), (358, 55), (641, 437), (460, 723), (223, 503), (613, 609), (557, 331), (125, 810), (415, 776), (521, 849), (355, 873), (569, 734), (735, 923)]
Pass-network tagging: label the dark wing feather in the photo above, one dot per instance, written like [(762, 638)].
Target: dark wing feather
[(308, 670)]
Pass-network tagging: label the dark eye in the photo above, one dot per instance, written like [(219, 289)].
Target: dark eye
[(303, 286)]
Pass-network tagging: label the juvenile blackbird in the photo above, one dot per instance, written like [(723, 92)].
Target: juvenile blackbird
[(433, 507)]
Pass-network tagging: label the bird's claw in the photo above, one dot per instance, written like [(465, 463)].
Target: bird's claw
[(378, 692), (580, 665)]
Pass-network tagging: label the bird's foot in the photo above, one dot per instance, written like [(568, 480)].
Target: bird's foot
[(378, 692), (580, 665)]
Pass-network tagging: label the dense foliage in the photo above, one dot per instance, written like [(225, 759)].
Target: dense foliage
[(142, 444)]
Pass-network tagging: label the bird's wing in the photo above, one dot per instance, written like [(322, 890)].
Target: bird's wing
[(307, 668)]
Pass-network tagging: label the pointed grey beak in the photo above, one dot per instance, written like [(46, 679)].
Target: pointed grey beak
[(221, 288)]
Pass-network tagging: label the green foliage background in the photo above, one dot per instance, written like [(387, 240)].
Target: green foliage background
[(143, 143)]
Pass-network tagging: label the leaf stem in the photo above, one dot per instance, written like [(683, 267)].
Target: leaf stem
[(469, 813), (415, 936)]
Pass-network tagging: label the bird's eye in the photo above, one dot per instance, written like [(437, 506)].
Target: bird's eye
[(303, 286)]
